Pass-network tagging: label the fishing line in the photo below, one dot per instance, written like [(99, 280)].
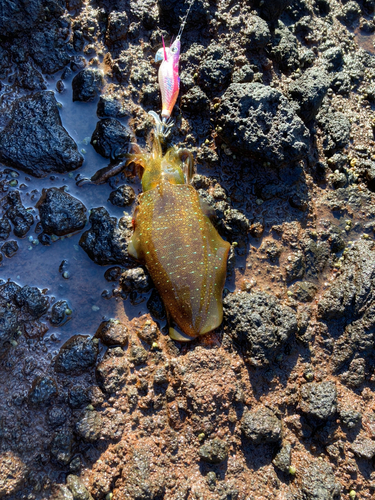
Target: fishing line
[(184, 19)]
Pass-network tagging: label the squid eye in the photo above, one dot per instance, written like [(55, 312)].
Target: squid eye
[(174, 50)]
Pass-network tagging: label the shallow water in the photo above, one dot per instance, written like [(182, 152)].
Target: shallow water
[(38, 265)]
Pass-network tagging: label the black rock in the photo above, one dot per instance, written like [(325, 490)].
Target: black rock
[(336, 127), (21, 219), (155, 305), (29, 78), (49, 49), (111, 105), (258, 324), (214, 451), (117, 27), (261, 426), (256, 33), (87, 84), (89, 426), (350, 417), (195, 101), (304, 291), (61, 447), (260, 121), (272, 9), (350, 14), (363, 447), (111, 372), (295, 269), (35, 141), (32, 301), (43, 391), (60, 213), (77, 355), (78, 396), (285, 49), (105, 243), (341, 83), (9, 323), (172, 11), (135, 280), (112, 333), (59, 312), (4, 228), (9, 248), (319, 482), (283, 459), (216, 68), (56, 416), (334, 58), (110, 138), (319, 400), (123, 196), (308, 92), (14, 19)]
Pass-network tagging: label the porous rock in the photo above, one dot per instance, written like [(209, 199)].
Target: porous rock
[(319, 482), (363, 447), (61, 492), (43, 390), (319, 400), (214, 451), (35, 141), (351, 298), (308, 92), (12, 474), (256, 33), (106, 242), (60, 213), (89, 426), (110, 138), (87, 84), (61, 447), (258, 324), (32, 301), (78, 489), (112, 371), (260, 121), (216, 68), (123, 196), (336, 127), (59, 312), (261, 426), (77, 355), (21, 218), (136, 279), (112, 332)]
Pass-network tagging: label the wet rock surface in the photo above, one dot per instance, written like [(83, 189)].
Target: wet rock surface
[(276, 105), (60, 213), (106, 243), (35, 140), (110, 138), (76, 355)]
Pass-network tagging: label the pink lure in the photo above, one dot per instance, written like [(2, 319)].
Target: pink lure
[(169, 80)]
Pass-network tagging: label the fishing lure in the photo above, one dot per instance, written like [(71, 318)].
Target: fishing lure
[(169, 80), (173, 236)]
